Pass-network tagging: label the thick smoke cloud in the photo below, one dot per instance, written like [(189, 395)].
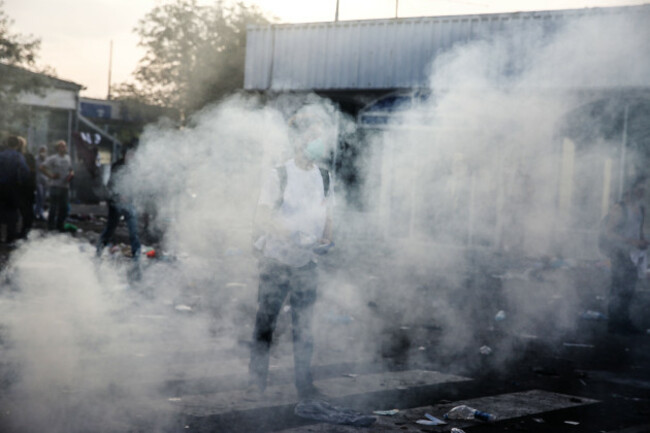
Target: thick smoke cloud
[(517, 151), (493, 161)]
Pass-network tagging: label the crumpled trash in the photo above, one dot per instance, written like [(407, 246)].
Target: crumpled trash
[(501, 315), (593, 315), (71, 228), (320, 410), (386, 412), (457, 430), (431, 420), (485, 350)]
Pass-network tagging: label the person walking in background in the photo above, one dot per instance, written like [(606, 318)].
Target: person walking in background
[(41, 185), (13, 173), (120, 205), (293, 219), (58, 168), (27, 191), (627, 248)]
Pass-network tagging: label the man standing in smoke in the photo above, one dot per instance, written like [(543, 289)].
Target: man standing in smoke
[(293, 219), (627, 251)]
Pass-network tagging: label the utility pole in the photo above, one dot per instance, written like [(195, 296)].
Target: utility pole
[(396, 8), (110, 67), (336, 15)]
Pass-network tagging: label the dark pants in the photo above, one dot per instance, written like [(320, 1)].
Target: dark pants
[(9, 210), (58, 208), (26, 206), (115, 211), (276, 282), (624, 278), (39, 204)]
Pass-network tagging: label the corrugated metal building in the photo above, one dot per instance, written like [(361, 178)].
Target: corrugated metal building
[(350, 59), (379, 69)]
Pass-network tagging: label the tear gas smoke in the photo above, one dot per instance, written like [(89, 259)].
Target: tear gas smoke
[(492, 161)]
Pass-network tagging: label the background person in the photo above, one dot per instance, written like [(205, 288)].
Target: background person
[(41, 185), (13, 173), (26, 195), (58, 168), (120, 205), (624, 229)]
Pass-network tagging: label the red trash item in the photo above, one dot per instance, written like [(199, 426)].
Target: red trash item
[(151, 254)]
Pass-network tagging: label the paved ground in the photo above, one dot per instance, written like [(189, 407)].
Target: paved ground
[(536, 377)]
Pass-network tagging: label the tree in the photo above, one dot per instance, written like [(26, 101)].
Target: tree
[(18, 55), (194, 54)]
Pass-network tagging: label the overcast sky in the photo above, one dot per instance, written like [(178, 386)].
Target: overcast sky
[(76, 34)]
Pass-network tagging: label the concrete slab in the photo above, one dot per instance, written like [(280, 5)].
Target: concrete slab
[(505, 406), (285, 394)]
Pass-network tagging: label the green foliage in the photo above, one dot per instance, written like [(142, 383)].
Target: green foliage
[(17, 54), (194, 54)]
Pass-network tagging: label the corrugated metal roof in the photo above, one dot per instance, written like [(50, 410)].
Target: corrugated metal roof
[(377, 54)]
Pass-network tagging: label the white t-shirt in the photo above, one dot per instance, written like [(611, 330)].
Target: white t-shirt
[(303, 213), (61, 165)]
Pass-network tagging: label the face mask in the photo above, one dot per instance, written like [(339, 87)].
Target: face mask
[(315, 149)]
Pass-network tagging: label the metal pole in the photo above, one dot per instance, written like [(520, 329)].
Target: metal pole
[(396, 8), (110, 67), (336, 15), (621, 173)]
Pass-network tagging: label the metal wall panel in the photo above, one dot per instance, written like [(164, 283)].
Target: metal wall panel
[(380, 54)]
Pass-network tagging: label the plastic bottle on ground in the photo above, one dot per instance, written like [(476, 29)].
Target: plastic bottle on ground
[(468, 413)]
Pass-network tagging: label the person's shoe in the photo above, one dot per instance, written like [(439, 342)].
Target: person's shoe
[(311, 392)]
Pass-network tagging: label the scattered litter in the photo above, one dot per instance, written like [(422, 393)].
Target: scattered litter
[(183, 308), (323, 411), (404, 328), (583, 382), (425, 422), (457, 430), (67, 227), (422, 348), (434, 419), (468, 413), (352, 375), (584, 346), (233, 285), (572, 422), (151, 254), (174, 399), (501, 315), (485, 350), (593, 315), (539, 420), (286, 308), (386, 412), (402, 388)]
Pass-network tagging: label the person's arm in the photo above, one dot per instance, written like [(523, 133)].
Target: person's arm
[(23, 168), (45, 169)]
